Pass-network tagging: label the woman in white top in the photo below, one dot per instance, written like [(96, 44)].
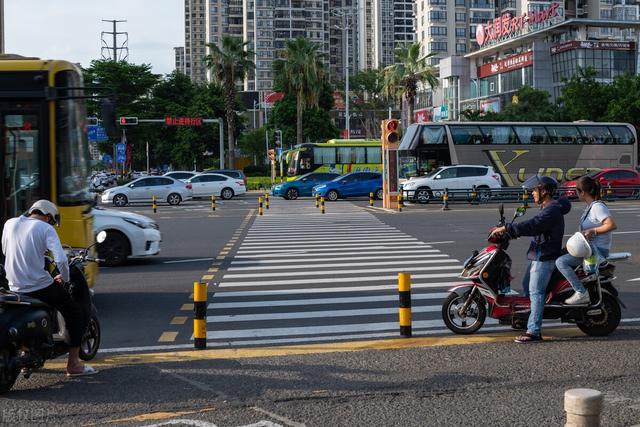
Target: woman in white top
[(596, 224)]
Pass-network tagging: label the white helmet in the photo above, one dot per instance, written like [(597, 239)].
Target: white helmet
[(48, 209), (578, 246)]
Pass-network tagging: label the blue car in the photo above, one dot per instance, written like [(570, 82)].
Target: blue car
[(302, 185), (353, 184)]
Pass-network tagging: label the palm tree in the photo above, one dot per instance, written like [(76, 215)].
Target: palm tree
[(300, 72), (402, 78), (229, 63)]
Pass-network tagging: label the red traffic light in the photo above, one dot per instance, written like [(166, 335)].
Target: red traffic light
[(392, 125), (124, 121)]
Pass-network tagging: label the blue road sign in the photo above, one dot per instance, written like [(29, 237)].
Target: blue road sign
[(107, 158), (96, 133), (121, 153)]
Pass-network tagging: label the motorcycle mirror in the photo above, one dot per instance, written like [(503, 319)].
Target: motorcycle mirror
[(101, 237), (520, 211)]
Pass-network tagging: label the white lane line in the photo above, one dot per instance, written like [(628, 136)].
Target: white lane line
[(187, 260), (298, 243), (328, 271), (326, 280), (341, 233), (323, 314), (333, 236), (258, 262), (290, 231), (375, 288), (304, 253), (440, 243), (319, 301), (407, 265), (637, 279), (332, 247)]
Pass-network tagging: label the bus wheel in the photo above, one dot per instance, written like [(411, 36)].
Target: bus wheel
[(379, 194), (332, 195), (484, 194), (423, 195), (120, 200), (292, 193)]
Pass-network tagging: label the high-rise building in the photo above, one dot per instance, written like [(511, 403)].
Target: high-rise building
[(195, 39), (180, 59)]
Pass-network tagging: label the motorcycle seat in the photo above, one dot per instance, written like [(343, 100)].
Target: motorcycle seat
[(7, 297)]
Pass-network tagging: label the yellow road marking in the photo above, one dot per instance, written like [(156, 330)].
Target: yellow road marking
[(152, 416), (224, 252), (212, 270), (207, 277), (186, 307), (220, 257), (179, 320), (243, 353), (168, 336)]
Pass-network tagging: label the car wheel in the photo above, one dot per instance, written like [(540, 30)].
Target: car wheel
[(379, 194), (174, 199), (423, 195), (120, 200), (226, 193), (292, 193), (332, 195), (114, 250)]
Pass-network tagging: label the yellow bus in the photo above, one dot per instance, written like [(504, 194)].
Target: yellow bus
[(45, 152)]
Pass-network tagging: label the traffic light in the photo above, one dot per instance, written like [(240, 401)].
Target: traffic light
[(278, 138), (390, 131), (92, 121), (126, 121), (272, 155)]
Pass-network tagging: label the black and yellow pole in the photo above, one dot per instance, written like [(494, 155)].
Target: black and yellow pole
[(260, 205), (154, 204), (399, 202), (317, 200), (525, 198), (200, 315), (473, 195), (371, 199), (266, 200), (445, 200), (213, 202), (404, 292), (609, 191), (322, 204)]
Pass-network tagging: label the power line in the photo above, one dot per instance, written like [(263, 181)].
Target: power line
[(112, 51)]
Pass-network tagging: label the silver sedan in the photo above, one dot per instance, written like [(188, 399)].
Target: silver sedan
[(143, 189)]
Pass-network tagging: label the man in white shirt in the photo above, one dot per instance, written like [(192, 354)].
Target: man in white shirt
[(25, 240)]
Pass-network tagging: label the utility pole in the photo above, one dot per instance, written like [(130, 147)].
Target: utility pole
[(346, 13), (112, 51), (1, 26)]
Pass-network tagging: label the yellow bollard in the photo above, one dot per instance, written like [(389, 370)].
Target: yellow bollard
[(473, 196), (317, 200), (399, 202), (200, 315), (213, 202), (154, 204), (322, 204), (371, 199), (609, 191), (266, 200), (404, 292), (445, 200), (260, 205)]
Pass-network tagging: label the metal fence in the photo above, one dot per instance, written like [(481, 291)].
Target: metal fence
[(507, 195)]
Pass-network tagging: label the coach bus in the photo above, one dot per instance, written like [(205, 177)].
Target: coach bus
[(336, 155), (517, 150), (45, 153)]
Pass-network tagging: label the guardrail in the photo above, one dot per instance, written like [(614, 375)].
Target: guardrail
[(507, 195)]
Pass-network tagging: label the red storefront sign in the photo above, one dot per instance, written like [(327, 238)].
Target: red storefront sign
[(587, 44), (183, 121), (506, 64), (506, 26), (421, 116)]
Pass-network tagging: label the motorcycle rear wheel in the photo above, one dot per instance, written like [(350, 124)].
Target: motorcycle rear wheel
[(606, 322), (91, 340), (476, 314), (7, 377)]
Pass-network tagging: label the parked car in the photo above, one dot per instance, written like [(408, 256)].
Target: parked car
[(181, 175), (128, 235), (303, 185), (143, 189), (233, 173), (623, 182), (353, 184), (206, 184), (458, 177)]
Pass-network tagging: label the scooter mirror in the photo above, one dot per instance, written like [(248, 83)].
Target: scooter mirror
[(101, 237), (521, 211)]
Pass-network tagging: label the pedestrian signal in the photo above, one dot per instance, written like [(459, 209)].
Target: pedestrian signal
[(390, 131), (272, 155)]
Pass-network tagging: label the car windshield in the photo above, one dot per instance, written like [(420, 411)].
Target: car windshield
[(434, 172), (301, 177)]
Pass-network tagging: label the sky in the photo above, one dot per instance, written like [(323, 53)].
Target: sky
[(70, 29)]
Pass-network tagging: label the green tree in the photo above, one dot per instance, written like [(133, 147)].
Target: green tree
[(300, 73), (252, 143), (625, 100), (584, 98), (402, 78), (230, 63)]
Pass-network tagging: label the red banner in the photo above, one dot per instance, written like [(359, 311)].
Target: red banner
[(504, 65)]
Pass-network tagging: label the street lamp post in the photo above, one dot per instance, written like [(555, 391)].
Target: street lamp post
[(345, 14)]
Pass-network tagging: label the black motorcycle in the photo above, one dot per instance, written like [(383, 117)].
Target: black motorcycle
[(31, 332)]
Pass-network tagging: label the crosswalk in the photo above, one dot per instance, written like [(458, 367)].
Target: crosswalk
[(303, 277)]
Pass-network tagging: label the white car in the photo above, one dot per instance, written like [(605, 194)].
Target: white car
[(128, 234), (459, 177), (143, 189), (206, 184)]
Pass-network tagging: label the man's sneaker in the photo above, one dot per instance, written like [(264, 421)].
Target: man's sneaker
[(578, 298), (527, 338)]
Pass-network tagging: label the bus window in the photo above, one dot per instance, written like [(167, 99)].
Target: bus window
[(532, 135), (621, 135), (324, 155), (433, 135), (374, 155), (351, 155), (466, 135), (595, 135), (499, 134), (564, 134)]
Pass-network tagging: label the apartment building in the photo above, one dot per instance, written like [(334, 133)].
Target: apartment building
[(180, 59)]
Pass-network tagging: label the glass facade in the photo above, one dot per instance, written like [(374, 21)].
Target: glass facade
[(608, 64)]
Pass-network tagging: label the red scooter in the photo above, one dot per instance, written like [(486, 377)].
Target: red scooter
[(489, 273)]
